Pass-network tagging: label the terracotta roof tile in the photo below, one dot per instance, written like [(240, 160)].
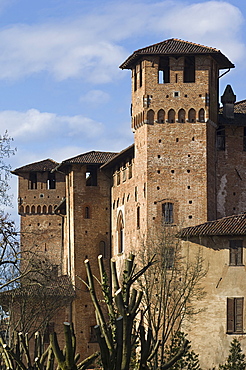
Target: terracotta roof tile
[(231, 225), (176, 47), (42, 166), (92, 157), (239, 115)]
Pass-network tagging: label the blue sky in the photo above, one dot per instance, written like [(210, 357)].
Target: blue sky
[(62, 92)]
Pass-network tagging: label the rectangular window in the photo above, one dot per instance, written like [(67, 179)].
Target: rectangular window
[(235, 315), (236, 252), (189, 69), (91, 175), (32, 183), (50, 328), (51, 182), (244, 139), (164, 71), (93, 336), (220, 139), (167, 213)]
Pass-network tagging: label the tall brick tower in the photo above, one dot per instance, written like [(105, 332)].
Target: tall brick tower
[(174, 119)]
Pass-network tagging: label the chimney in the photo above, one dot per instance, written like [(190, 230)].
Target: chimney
[(228, 99)]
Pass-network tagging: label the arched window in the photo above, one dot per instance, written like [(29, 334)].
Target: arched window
[(50, 210), (150, 116), (201, 115), (21, 209), (33, 209), (171, 116), (44, 209), (181, 115), (27, 209), (192, 115), (120, 232), (161, 116), (87, 212), (39, 209), (167, 213), (102, 249)]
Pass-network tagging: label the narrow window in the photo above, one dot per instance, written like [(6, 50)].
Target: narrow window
[(141, 75), (51, 181), (32, 183), (87, 212), (236, 252), (21, 209), (244, 139), (130, 170), (138, 217), (192, 115), (201, 115), (220, 138), (171, 116), (135, 78), (235, 315), (164, 70), (169, 257), (189, 69), (167, 212), (91, 175), (181, 115), (120, 232), (150, 116), (136, 193), (50, 210), (38, 209), (161, 116), (27, 209), (33, 209), (93, 336), (102, 249), (44, 209), (50, 328)]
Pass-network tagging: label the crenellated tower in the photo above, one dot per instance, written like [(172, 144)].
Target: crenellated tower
[(174, 120)]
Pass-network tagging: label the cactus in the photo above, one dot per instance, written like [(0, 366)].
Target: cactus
[(20, 357), (119, 336)]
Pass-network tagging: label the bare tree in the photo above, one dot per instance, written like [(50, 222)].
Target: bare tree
[(171, 288)]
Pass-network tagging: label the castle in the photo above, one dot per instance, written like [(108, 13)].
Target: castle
[(185, 170)]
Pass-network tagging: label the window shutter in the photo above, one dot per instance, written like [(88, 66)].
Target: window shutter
[(230, 315), (233, 256), (239, 315)]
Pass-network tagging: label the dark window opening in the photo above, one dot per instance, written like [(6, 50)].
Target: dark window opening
[(236, 252), (167, 213), (201, 115), (102, 249), (220, 138), (32, 183), (50, 328), (87, 212), (140, 75), (93, 336), (91, 175), (135, 78), (164, 71), (244, 139), (38, 209), (181, 115), (161, 116), (51, 182), (169, 258), (171, 116), (33, 209), (192, 115), (138, 217), (120, 233), (234, 315), (189, 69), (150, 116)]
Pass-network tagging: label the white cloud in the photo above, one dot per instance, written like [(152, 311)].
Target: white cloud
[(95, 97), (89, 46), (32, 125)]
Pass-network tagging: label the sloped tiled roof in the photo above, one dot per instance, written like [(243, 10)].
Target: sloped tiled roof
[(125, 153), (231, 225), (93, 157), (177, 47), (41, 166)]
